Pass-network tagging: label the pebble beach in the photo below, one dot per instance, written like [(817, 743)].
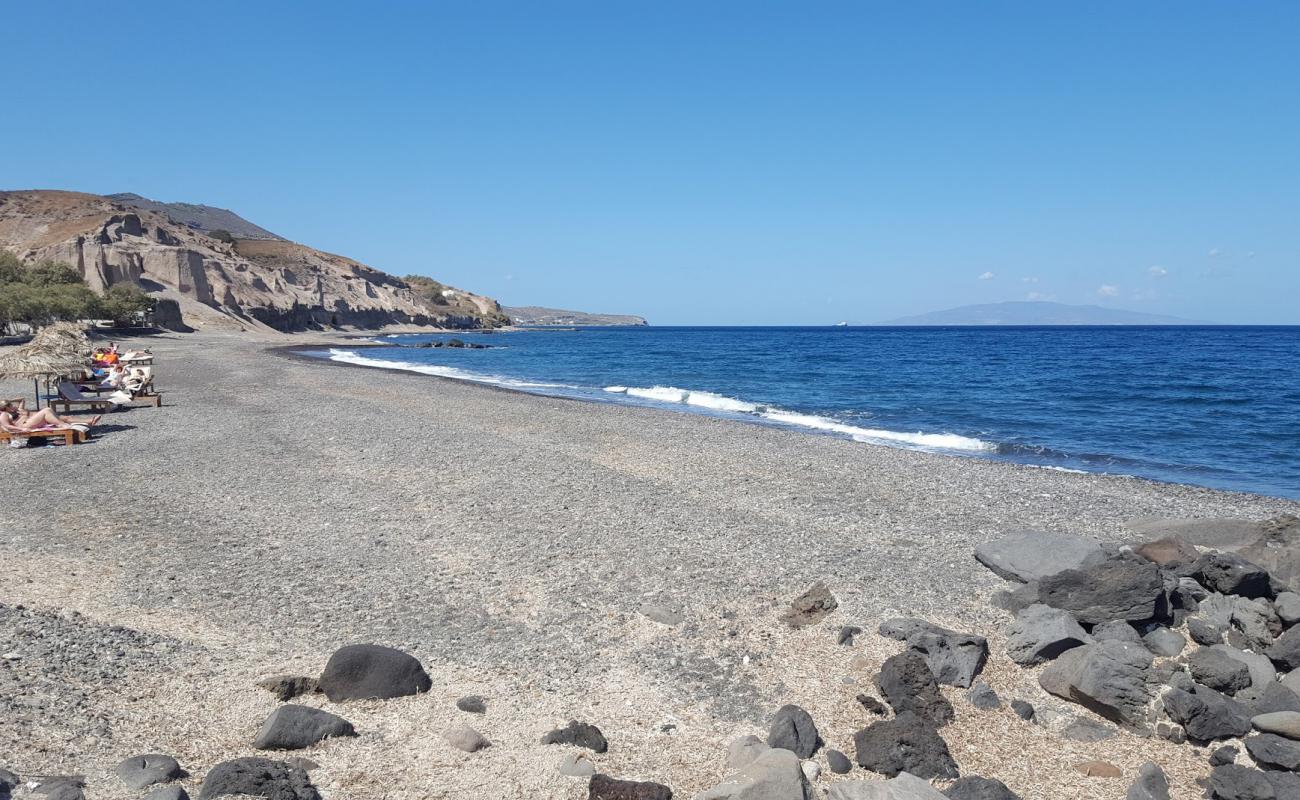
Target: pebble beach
[(561, 560)]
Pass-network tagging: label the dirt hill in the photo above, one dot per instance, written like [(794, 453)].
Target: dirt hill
[(252, 281)]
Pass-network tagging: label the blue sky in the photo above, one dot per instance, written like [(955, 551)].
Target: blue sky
[(730, 163)]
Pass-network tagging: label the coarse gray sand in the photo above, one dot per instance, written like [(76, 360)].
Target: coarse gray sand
[(275, 509)]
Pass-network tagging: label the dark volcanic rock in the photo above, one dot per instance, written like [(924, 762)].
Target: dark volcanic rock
[(366, 671), (907, 684), (1110, 678), (872, 704), (61, 787), (1229, 573), (954, 658), (846, 634), (1040, 633), (259, 777), (1116, 631), (1169, 552), (1023, 709), (1257, 622), (1235, 782), (1207, 715), (792, 729), (1122, 587), (603, 787), (838, 762), (139, 772), (1272, 750), (294, 727), (1087, 730), (1285, 652), (973, 787), (1218, 670), (1164, 642), (983, 697), (580, 734), (1223, 755), (1027, 556), (907, 743), (287, 687), (167, 793), (1151, 784), (472, 703), (811, 606), (1204, 632)]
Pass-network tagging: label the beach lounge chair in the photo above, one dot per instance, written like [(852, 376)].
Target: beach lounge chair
[(68, 435), (70, 394)]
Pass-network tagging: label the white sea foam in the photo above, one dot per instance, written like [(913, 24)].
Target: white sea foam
[(352, 357)]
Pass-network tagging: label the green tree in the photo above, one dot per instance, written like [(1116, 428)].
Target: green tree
[(122, 302)]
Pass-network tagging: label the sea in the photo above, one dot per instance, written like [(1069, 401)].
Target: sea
[(1211, 406)]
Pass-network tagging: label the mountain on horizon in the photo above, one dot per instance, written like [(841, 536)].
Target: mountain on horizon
[(537, 315), (1038, 312)]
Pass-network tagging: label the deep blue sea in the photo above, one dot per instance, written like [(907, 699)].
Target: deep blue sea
[(1213, 406)]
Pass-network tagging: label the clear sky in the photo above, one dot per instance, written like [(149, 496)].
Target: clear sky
[(704, 162)]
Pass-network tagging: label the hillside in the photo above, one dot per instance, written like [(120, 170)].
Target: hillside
[(252, 281), (1038, 313), (536, 315), (199, 217)]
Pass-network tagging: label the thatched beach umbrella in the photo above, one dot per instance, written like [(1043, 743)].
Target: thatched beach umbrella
[(59, 352)]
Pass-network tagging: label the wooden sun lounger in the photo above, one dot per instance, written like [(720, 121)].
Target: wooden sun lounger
[(69, 436), (70, 395)]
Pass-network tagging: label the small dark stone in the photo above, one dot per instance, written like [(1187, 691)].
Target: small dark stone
[(973, 787), (1171, 733), (369, 671), (287, 687), (260, 777), (838, 762), (1117, 631), (982, 696), (61, 788), (1023, 709), (872, 704), (847, 633), (1229, 573), (906, 743), (1285, 651), (172, 792), (580, 734), (793, 729), (1218, 670), (1087, 730), (292, 727), (139, 772), (473, 704), (811, 606), (908, 685), (1204, 632), (603, 787), (1223, 755), (1151, 784)]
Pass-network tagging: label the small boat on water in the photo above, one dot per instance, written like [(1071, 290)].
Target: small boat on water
[(840, 325)]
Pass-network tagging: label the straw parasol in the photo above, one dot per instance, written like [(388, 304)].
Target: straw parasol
[(56, 350)]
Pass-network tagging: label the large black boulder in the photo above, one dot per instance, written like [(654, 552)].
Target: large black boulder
[(580, 734), (1236, 782), (1285, 651), (1122, 587), (974, 787), (293, 727), (603, 787), (954, 658), (371, 671), (907, 684), (1271, 750), (906, 743), (1229, 573), (1207, 715), (258, 777)]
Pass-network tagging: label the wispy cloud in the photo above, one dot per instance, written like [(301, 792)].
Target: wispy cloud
[(1106, 290), (986, 276), (1214, 252), (1029, 279), (1040, 296), (1158, 271)]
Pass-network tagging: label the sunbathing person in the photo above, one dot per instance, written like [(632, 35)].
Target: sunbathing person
[(15, 419)]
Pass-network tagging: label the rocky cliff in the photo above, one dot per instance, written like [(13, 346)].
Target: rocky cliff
[(536, 315), (253, 281)]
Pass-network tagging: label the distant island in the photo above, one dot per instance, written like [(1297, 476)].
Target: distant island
[(536, 315), (1038, 313)]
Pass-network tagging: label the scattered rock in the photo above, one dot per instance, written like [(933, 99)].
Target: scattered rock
[(1218, 670), (1229, 573), (792, 729), (811, 606), (1257, 621), (260, 777), (1203, 632), (811, 770), (473, 704), (954, 658), (1099, 769), (846, 634), (287, 687), (1023, 709), (1164, 642), (1109, 678), (1262, 671), (872, 704), (61, 788), (1171, 733), (1223, 755), (1121, 587), (838, 762), (139, 772), (1272, 750), (1272, 698), (902, 787), (577, 765), (1207, 715), (369, 671), (1016, 600), (1032, 555), (1116, 631), (742, 751), (1169, 552), (603, 787), (1084, 729), (1285, 652), (463, 737), (1179, 679), (1282, 723), (775, 774), (1151, 784), (983, 697), (294, 727), (973, 787), (1040, 633), (1235, 782), (907, 684), (580, 734), (167, 793), (1287, 606), (906, 743)]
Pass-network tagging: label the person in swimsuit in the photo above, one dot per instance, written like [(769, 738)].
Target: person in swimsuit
[(17, 419)]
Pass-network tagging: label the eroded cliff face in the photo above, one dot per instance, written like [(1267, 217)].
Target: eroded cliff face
[(281, 284)]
